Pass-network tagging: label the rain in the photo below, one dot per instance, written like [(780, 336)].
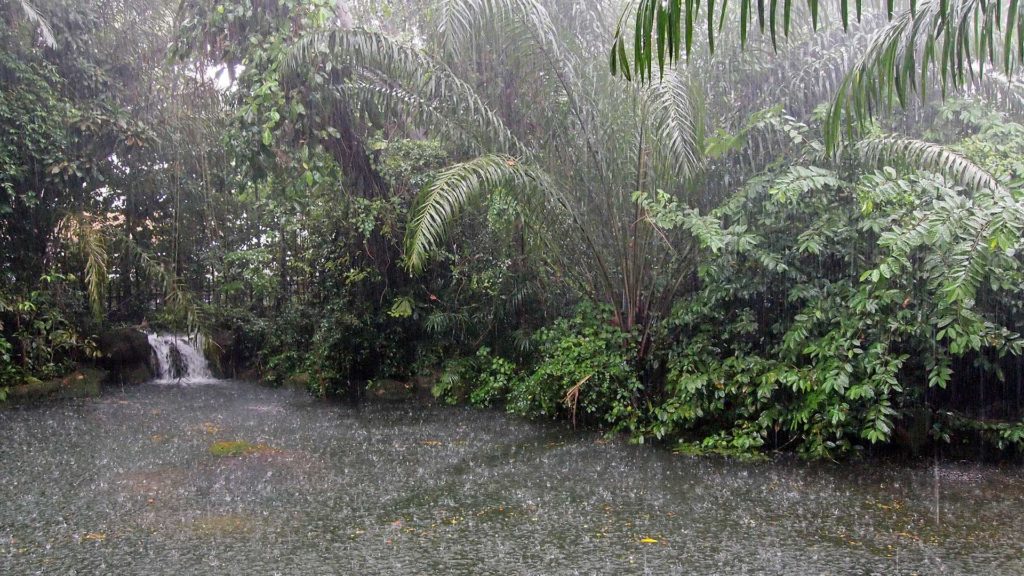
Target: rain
[(129, 483), (511, 287)]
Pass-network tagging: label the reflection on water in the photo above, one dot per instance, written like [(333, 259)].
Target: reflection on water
[(232, 478)]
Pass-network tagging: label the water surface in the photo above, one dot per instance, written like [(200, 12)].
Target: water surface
[(127, 484)]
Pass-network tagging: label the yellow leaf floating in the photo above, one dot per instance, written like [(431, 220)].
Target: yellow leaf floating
[(648, 540)]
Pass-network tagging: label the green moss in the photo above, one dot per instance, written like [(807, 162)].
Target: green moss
[(220, 525), (226, 448), (84, 382)]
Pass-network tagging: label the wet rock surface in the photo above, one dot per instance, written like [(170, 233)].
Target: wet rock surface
[(126, 356), (84, 381), (128, 484)]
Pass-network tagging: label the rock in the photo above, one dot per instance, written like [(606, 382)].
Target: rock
[(425, 382), (123, 346), (251, 374), (415, 389), (137, 375), (299, 381), (392, 390), (231, 355), (84, 382), (222, 354), (127, 355)]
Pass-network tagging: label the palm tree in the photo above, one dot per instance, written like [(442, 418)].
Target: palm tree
[(948, 42), (32, 15), (581, 149), (535, 118), (532, 116)]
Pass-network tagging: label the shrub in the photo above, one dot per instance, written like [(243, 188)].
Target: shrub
[(586, 369)]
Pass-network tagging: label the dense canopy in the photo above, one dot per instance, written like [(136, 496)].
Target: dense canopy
[(747, 235)]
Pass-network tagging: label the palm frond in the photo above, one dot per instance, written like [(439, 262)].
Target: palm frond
[(466, 131), (33, 16), (454, 18), (441, 201), (952, 40), (676, 108), (85, 234), (526, 32), (178, 300), (431, 81), (91, 237), (929, 156), (461, 18)]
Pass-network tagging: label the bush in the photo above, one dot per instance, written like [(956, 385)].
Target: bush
[(586, 370)]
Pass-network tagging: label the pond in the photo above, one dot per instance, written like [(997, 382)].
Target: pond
[(235, 478)]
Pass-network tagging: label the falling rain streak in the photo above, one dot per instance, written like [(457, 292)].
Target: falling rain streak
[(136, 485)]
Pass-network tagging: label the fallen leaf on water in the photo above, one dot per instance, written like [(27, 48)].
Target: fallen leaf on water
[(648, 540)]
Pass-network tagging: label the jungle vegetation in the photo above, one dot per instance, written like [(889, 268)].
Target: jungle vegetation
[(735, 228)]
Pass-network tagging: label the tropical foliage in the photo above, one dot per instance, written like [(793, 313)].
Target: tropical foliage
[(740, 252), (948, 43)]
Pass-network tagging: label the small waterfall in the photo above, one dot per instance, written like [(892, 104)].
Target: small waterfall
[(179, 358)]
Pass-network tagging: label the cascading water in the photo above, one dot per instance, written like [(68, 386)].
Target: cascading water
[(179, 358)]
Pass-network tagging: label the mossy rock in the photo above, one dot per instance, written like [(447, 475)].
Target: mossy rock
[(392, 390), (130, 377), (84, 382), (221, 525), (298, 381), (251, 374), (126, 355), (230, 448)]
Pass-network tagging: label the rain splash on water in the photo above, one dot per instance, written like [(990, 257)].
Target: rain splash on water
[(241, 479), (179, 359)]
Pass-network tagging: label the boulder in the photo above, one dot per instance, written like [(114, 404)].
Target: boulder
[(80, 383), (417, 389), (392, 390), (127, 356)]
